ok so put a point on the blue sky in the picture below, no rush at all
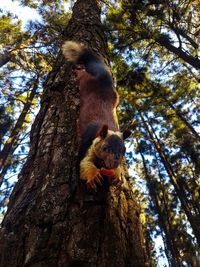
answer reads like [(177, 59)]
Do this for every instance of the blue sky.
[(23, 13)]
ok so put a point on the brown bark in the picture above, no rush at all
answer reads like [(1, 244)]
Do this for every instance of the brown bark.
[(52, 220)]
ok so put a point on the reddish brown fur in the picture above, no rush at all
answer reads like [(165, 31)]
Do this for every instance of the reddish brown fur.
[(97, 104)]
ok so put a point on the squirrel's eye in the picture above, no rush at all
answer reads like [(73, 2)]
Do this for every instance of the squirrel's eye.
[(105, 148)]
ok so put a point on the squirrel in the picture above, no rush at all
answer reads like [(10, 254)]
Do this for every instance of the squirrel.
[(101, 143)]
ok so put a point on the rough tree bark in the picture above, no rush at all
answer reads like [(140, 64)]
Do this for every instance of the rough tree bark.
[(52, 220)]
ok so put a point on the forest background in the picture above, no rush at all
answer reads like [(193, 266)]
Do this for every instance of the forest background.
[(154, 56)]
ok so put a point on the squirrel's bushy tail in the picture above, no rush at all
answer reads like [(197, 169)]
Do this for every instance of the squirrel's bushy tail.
[(79, 54)]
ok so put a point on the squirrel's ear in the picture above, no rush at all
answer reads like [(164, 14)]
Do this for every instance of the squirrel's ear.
[(104, 131), (126, 133)]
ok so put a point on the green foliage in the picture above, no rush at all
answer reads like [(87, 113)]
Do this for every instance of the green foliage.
[(150, 26), (10, 31)]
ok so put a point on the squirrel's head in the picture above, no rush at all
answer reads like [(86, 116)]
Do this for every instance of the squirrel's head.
[(109, 147)]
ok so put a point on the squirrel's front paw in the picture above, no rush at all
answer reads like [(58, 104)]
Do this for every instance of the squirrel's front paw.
[(92, 182), (117, 183)]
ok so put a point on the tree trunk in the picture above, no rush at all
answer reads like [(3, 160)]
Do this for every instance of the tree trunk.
[(52, 220)]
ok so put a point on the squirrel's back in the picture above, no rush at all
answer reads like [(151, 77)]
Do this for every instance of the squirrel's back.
[(79, 54)]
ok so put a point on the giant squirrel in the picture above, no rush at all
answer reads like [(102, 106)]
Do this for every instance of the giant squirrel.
[(102, 144)]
